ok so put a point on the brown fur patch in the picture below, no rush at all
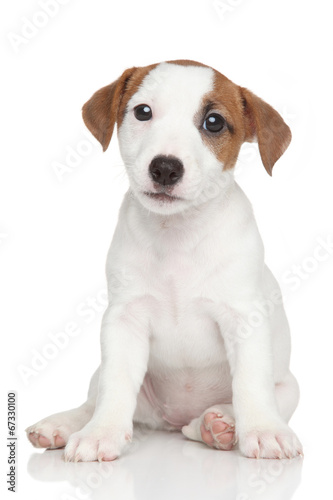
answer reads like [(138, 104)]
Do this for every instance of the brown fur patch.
[(265, 125), (107, 106), (100, 112), (225, 99), (250, 118), (187, 62)]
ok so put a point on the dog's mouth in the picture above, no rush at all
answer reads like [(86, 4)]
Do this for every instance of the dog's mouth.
[(162, 196)]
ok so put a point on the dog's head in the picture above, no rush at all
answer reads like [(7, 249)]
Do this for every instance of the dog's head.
[(180, 127)]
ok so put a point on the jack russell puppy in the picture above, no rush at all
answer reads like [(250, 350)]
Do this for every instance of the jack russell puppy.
[(182, 344)]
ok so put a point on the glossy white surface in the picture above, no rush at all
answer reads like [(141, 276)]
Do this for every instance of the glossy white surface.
[(164, 466), (161, 465)]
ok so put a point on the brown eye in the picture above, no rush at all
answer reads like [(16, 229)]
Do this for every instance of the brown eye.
[(214, 123), (143, 112)]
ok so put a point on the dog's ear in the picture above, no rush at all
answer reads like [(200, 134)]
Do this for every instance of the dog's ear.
[(266, 126), (100, 112)]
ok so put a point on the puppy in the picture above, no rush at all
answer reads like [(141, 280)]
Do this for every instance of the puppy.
[(182, 345)]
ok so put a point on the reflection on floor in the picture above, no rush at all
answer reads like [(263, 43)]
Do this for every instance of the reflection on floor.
[(167, 466)]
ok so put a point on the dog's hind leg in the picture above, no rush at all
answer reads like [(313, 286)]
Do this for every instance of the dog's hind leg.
[(55, 430), (215, 427)]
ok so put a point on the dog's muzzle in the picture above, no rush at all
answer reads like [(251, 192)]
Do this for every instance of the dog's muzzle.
[(166, 170)]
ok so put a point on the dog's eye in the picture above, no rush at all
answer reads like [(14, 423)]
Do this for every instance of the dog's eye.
[(214, 123), (143, 112)]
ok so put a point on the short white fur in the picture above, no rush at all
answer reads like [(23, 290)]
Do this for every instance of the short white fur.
[(194, 270)]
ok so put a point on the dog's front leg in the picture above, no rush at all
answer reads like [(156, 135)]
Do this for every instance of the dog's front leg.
[(125, 350), (261, 431)]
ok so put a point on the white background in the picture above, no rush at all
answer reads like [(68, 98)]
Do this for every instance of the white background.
[(55, 230)]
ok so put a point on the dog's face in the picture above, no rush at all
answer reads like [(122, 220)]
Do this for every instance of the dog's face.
[(180, 127)]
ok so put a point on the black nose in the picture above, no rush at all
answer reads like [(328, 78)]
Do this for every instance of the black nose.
[(166, 170)]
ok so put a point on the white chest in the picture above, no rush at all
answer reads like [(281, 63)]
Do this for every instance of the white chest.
[(183, 330)]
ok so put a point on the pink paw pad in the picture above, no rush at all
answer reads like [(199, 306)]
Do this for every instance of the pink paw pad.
[(38, 440), (218, 431), (59, 442)]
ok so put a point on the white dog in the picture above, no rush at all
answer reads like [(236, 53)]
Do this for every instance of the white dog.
[(183, 346)]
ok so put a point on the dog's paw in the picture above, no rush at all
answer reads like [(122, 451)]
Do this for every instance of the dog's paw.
[(215, 428), (54, 431), (96, 443), (49, 434), (218, 431), (280, 442)]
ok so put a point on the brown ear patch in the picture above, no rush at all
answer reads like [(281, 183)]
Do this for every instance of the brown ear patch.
[(107, 106), (100, 112), (250, 119), (264, 124)]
